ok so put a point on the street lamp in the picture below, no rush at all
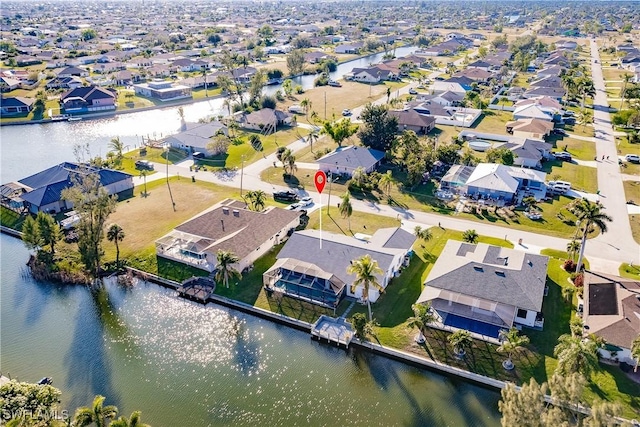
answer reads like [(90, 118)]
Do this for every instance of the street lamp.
[(166, 153), (330, 179), (241, 175)]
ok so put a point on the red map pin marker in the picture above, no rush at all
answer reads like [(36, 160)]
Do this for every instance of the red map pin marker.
[(320, 180)]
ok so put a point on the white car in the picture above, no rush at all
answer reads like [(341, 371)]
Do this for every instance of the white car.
[(633, 158), (346, 112), (559, 187), (305, 201)]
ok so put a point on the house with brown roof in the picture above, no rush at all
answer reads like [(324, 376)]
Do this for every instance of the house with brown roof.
[(611, 310), (530, 128), (265, 120), (228, 226), (421, 124)]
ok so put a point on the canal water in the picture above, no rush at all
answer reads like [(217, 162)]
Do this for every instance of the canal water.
[(185, 364), (27, 149)]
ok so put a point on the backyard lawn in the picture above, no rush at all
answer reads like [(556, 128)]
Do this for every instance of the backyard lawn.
[(582, 178)]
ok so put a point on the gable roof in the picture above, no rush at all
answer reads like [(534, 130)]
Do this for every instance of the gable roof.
[(88, 93), (338, 250), (352, 157), (197, 134), (412, 118), (17, 101), (493, 273), (494, 176)]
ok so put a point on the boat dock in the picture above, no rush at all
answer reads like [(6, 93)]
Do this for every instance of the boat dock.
[(337, 331), (197, 289)]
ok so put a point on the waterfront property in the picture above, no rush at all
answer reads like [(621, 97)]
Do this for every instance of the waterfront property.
[(611, 311), (317, 272), (43, 191), (195, 137), (227, 226), (529, 148), (345, 160), (484, 288), (266, 120), (87, 99), (162, 90), (494, 182), (16, 105)]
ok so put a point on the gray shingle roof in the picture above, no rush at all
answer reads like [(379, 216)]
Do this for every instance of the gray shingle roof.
[(493, 273), (352, 157)]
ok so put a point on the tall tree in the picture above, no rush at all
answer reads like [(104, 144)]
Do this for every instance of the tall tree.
[(422, 317), (313, 137), (589, 215), (224, 269), (623, 92), (257, 199), (133, 421), (31, 235), (422, 233), (584, 117), (379, 129), (295, 62), (346, 210), (576, 354), (97, 414), (117, 147), (365, 269), (49, 230), (512, 342), (385, 182), (115, 234), (27, 400), (257, 83), (523, 407), (460, 340), (339, 131), (93, 204), (470, 236), (572, 249)]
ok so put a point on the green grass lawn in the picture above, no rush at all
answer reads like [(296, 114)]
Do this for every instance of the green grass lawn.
[(581, 177), (11, 219), (583, 150), (630, 271)]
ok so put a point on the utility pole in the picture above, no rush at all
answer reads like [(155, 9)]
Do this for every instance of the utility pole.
[(166, 153), (241, 175)]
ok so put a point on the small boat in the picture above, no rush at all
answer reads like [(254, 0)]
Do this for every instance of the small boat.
[(45, 381), (74, 119)]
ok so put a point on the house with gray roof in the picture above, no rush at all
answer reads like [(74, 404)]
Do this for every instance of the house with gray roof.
[(194, 137), (313, 267), (228, 226), (421, 124), (611, 311), (12, 106), (345, 160), (485, 289)]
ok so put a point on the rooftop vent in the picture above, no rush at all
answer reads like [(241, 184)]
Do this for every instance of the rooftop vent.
[(500, 273), (225, 211), (236, 212), (478, 268)]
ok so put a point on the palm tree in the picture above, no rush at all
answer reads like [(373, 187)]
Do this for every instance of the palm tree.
[(115, 234), (143, 174), (257, 198), (422, 233), (117, 147), (133, 421), (365, 269), (358, 176), (512, 342), (422, 317), (385, 183), (224, 270), (576, 354), (97, 414), (568, 292), (313, 137), (346, 210), (587, 88), (572, 248), (460, 340), (290, 164), (204, 75), (306, 106), (584, 118), (635, 352), (589, 214), (470, 236)]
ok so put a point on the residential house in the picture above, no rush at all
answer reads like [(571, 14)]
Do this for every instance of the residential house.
[(550, 106), (73, 72), (345, 160), (8, 84), (611, 311), (480, 64), (530, 128), (349, 48), (227, 226), (87, 99), (445, 99), (26, 60), (411, 120), (534, 110), (316, 57), (194, 137), (476, 75), (486, 289), (64, 83), (497, 183), (188, 65), (43, 191), (16, 105), (317, 272), (451, 85), (265, 120), (162, 90)]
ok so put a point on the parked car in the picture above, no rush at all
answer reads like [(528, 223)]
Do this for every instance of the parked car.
[(633, 158), (144, 165), (334, 83), (293, 206), (296, 108), (287, 195), (569, 120), (559, 131), (306, 201), (562, 155), (412, 91), (559, 187), (346, 112)]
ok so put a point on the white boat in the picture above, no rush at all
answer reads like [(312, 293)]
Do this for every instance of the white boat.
[(74, 119)]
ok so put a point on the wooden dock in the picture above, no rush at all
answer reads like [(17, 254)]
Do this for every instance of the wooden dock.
[(197, 289), (337, 331)]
